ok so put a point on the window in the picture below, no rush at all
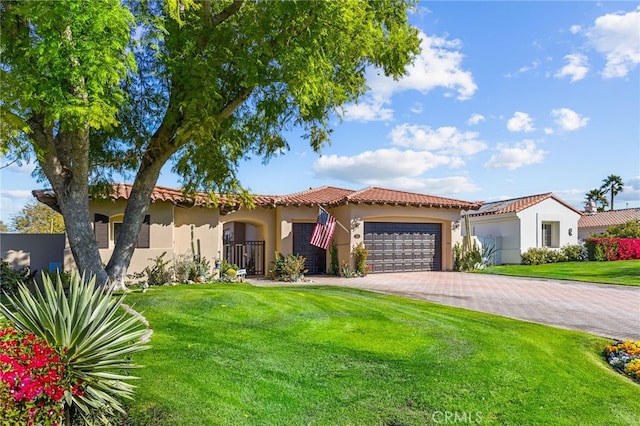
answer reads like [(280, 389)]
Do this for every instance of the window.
[(546, 234), (102, 224), (550, 234)]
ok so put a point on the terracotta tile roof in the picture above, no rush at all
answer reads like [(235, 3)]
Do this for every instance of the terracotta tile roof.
[(324, 195), (608, 218), (516, 205), (376, 195)]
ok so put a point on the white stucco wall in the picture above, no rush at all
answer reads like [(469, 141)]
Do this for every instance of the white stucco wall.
[(503, 226), (552, 211)]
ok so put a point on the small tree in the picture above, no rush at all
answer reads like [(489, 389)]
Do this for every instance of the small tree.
[(36, 218), (3, 227), (629, 229)]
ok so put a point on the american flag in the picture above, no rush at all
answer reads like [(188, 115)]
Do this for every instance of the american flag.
[(323, 231)]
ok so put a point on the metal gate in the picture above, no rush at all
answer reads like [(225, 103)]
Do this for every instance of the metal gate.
[(247, 255)]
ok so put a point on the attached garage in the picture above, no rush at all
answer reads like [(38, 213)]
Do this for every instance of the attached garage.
[(403, 247)]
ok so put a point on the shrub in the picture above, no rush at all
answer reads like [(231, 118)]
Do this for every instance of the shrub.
[(629, 229), (574, 252), (603, 248), (334, 265), (33, 379), (94, 337), (10, 278), (624, 357), (541, 255), (188, 267), (159, 273), (360, 254), (466, 260), (288, 268)]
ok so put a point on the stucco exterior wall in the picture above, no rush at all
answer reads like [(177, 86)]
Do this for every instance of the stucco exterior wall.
[(505, 226), (35, 251), (584, 233), (200, 226), (550, 211)]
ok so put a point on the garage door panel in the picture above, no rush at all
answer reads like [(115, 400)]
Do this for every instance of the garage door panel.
[(406, 246)]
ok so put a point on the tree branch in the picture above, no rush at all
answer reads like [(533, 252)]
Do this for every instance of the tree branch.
[(225, 14), (234, 103)]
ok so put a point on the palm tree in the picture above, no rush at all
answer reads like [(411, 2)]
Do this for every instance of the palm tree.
[(612, 184), (597, 196)]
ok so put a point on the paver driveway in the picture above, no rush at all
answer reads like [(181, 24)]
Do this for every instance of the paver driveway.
[(607, 310)]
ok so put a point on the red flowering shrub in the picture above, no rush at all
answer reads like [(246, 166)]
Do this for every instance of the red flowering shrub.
[(613, 248), (33, 380)]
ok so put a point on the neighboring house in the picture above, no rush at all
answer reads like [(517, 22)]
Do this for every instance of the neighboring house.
[(517, 225), (598, 222), (403, 231)]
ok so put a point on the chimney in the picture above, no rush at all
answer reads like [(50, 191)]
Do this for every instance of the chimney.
[(591, 208)]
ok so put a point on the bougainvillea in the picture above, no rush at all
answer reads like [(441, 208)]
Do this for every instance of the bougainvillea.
[(625, 357), (603, 248), (33, 380)]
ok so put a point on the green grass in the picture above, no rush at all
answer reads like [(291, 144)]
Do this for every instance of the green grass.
[(623, 272), (243, 355)]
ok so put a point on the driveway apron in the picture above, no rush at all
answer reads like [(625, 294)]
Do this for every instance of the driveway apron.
[(610, 311)]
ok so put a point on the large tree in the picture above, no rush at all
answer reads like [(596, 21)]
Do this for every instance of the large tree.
[(93, 88), (37, 218), (612, 184)]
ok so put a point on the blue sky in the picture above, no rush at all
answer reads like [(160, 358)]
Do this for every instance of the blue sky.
[(507, 99)]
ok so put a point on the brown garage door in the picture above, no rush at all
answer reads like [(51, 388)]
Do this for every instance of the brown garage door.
[(403, 247), (316, 262)]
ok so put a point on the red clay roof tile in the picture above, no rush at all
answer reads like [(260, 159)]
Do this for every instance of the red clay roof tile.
[(608, 218)]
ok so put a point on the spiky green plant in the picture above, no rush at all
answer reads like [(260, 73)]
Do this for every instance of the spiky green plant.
[(98, 337)]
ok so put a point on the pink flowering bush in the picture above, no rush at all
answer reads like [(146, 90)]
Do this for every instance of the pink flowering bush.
[(606, 248), (33, 379)]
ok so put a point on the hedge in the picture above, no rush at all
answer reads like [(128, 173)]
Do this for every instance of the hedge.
[(613, 248)]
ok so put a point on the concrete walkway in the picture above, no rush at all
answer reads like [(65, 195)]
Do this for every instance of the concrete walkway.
[(606, 310)]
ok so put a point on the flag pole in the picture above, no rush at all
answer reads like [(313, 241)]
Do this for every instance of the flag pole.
[(337, 221)]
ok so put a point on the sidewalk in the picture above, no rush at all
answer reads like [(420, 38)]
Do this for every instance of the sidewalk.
[(610, 311)]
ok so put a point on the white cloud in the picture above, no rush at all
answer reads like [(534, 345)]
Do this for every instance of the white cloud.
[(12, 202), (512, 157), (433, 186), (520, 122), (548, 131), (378, 166), (368, 110), (576, 68), (475, 119), (630, 192), (575, 29), (439, 65), (416, 108), (569, 120), (444, 140), (617, 37)]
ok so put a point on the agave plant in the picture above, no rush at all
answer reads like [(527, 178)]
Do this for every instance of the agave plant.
[(98, 337)]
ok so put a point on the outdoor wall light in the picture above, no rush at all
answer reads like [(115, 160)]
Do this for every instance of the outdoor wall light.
[(570, 231)]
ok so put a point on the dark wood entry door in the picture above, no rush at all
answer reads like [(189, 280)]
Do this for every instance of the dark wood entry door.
[(403, 247), (316, 262)]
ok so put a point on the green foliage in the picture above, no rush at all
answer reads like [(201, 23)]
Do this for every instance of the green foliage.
[(334, 263), (203, 85), (574, 252), (360, 254), (3, 227), (37, 218), (541, 255), (346, 271), (288, 268), (467, 260), (613, 185), (629, 229), (598, 197), (97, 336), (189, 267), (11, 278), (159, 273)]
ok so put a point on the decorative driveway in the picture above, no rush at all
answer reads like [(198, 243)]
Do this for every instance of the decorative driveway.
[(610, 311)]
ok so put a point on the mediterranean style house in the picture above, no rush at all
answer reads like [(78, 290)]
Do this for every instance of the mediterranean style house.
[(516, 225), (403, 231)]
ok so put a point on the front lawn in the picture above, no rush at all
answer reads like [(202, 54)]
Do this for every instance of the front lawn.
[(243, 355), (623, 272)]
